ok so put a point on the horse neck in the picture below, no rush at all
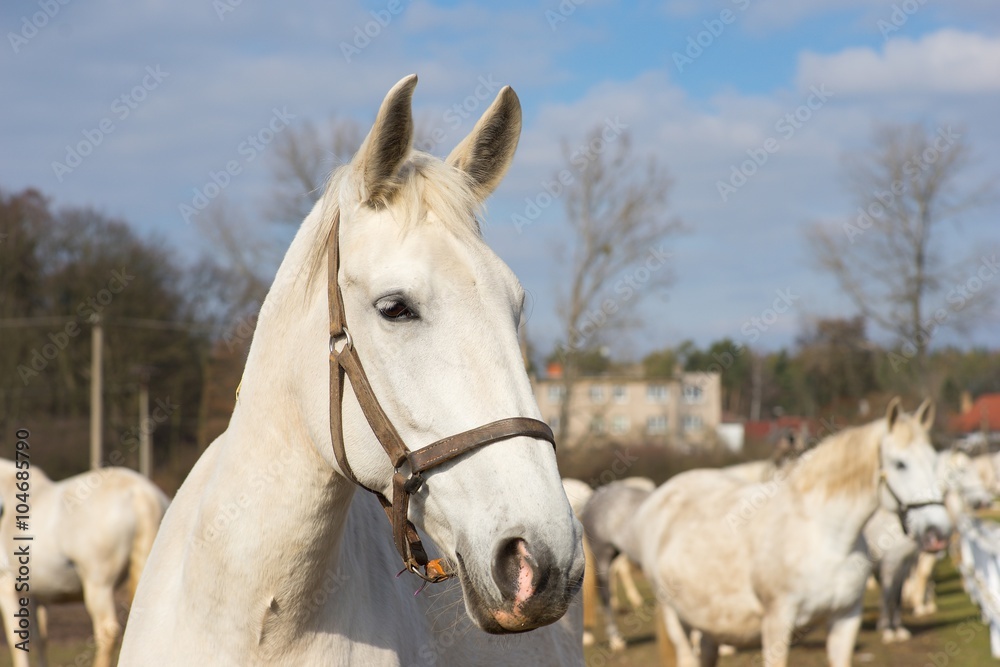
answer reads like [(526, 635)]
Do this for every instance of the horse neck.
[(273, 435), (842, 475)]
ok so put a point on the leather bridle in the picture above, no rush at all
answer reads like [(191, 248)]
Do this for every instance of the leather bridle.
[(344, 360)]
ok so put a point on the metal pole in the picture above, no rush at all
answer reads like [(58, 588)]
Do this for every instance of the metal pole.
[(145, 446), (96, 405)]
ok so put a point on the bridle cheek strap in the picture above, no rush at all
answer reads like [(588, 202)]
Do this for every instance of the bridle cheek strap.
[(344, 360)]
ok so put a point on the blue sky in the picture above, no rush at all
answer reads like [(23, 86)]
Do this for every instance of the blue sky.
[(211, 73)]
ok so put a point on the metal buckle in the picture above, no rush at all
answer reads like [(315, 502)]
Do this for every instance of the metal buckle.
[(413, 483), (336, 338)]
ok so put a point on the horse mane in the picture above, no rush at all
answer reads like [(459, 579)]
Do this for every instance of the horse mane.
[(845, 463), (423, 183)]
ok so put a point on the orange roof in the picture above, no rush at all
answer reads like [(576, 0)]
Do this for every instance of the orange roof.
[(985, 412)]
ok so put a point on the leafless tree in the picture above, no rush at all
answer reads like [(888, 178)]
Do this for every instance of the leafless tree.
[(302, 160), (909, 186), (241, 248), (616, 255), (304, 157)]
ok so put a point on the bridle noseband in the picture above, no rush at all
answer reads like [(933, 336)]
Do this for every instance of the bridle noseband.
[(344, 360)]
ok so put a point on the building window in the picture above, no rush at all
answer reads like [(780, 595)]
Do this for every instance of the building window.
[(619, 424), (596, 393), (693, 423), (656, 393), (693, 393), (656, 425), (597, 425), (619, 393), (556, 393)]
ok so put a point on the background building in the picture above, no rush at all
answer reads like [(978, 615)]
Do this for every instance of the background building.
[(683, 411)]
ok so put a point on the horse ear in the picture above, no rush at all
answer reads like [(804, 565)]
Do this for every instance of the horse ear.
[(389, 142), (489, 149), (925, 414), (892, 413)]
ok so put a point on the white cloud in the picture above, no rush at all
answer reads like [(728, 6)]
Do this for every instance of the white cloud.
[(946, 61), (782, 15)]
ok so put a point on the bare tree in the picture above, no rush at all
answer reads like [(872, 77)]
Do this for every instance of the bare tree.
[(616, 255), (302, 160), (889, 258), (241, 248)]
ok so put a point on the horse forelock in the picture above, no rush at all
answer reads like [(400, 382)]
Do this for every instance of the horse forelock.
[(423, 184), (905, 431)]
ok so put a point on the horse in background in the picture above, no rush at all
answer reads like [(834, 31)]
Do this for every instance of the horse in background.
[(607, 524), (798, 557), (91, 533), (578, 493), (966, 492), (988, 467), (894, 554)]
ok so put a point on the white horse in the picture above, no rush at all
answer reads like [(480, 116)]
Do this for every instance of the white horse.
[(965, 492), (578, 493), (268, 555), (90, 533), (988, 467), (797, 557), (894, 554), (606, 520)]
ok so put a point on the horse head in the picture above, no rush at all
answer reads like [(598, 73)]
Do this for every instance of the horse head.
[(958, 475), (433, 315), (910, 486)]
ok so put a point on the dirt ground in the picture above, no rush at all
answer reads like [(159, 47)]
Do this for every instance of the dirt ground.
[(954, 637)]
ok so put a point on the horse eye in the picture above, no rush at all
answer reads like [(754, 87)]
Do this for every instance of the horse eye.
[(396, 310), (900, 465)]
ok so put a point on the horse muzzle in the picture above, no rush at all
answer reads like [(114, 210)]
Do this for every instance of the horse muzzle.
[(933, 540), (531, 588)]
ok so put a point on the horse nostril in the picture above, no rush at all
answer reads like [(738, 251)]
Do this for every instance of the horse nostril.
[(510, 567), (520, 573)]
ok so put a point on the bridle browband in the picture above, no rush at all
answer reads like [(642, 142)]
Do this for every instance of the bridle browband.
[(344, 360)]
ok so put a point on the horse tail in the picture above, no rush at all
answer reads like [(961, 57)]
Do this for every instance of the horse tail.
[(150, 504)]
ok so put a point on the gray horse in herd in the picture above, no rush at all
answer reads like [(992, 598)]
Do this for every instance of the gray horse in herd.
[(758, 590)]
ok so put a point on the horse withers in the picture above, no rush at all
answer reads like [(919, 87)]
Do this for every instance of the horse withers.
[(270, 553)]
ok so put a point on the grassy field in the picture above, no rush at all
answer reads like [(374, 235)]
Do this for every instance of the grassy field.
[(953, 637)]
